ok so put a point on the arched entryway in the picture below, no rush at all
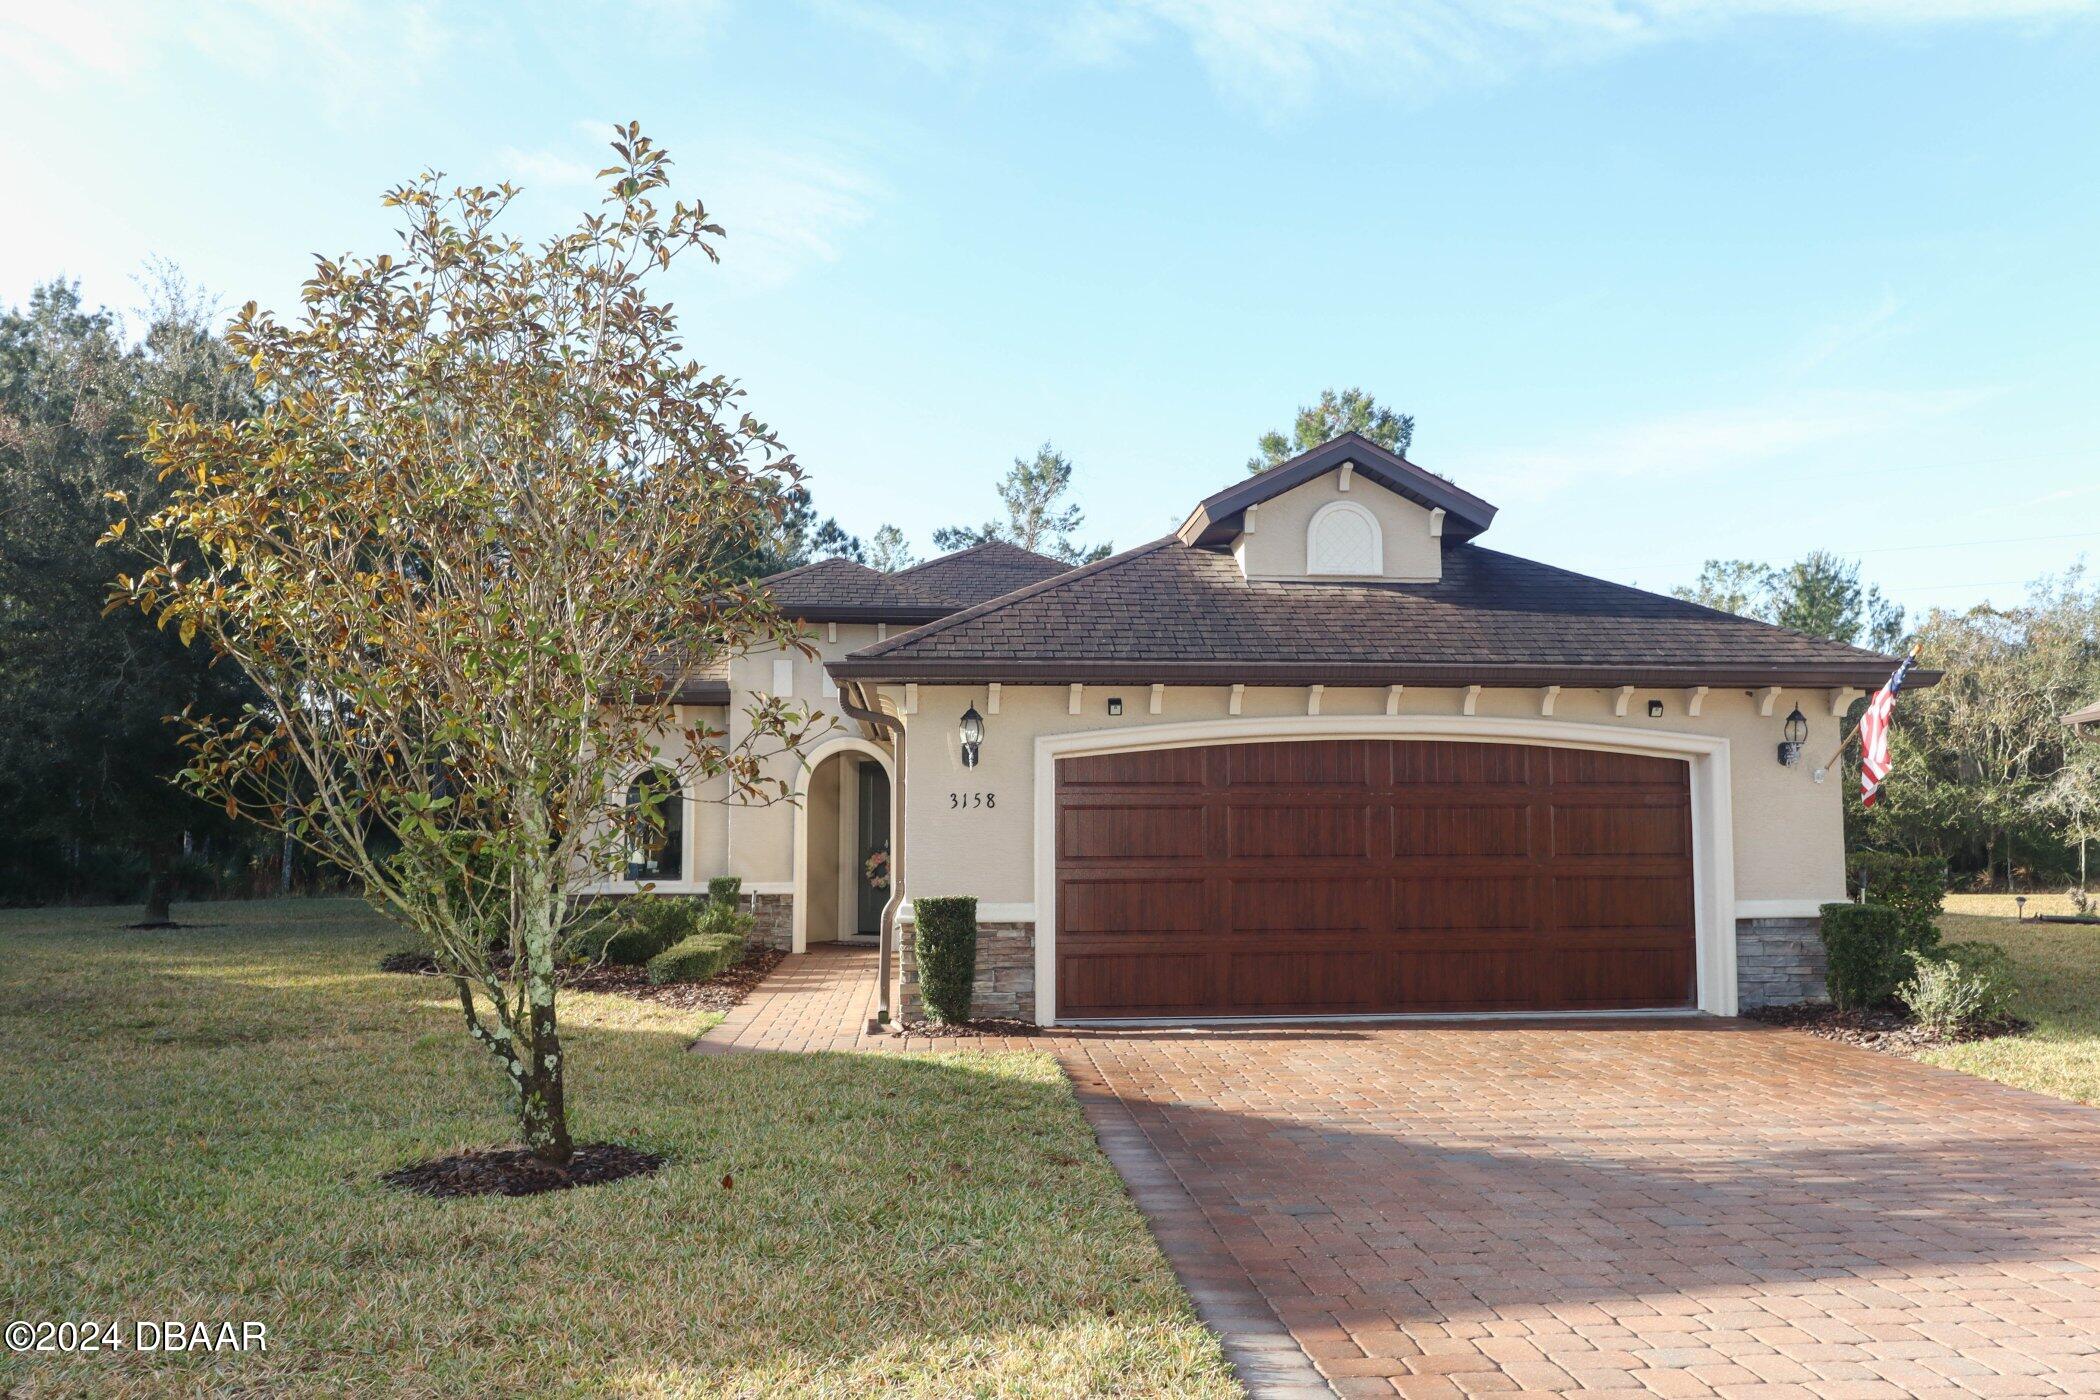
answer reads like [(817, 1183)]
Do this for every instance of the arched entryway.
[(844, 821)]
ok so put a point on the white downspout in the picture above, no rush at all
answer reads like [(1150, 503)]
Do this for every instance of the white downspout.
[(852, 699)]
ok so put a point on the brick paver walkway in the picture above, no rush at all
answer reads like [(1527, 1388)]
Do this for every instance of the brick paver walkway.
[(821, 1000), (1659, 1209)]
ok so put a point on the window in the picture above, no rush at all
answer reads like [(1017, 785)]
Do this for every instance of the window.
[(1343, 538), (656, 827)]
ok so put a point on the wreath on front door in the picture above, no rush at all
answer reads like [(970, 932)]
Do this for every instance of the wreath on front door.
[(877, 869)]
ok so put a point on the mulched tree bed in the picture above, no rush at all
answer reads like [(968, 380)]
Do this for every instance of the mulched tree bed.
[(1886, 1029), (514, 1171), (984, 1027), (718, 993)]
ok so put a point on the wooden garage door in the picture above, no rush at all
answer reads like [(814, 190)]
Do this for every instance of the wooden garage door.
[(1363, 876)]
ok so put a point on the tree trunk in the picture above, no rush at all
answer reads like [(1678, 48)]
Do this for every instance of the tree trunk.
[(158, 894), (284, 867), (542, 1112)]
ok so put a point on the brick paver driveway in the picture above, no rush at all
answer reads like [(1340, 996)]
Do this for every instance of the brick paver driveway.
[(1655, 1209)]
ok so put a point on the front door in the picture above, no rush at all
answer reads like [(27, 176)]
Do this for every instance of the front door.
[(873, 881)]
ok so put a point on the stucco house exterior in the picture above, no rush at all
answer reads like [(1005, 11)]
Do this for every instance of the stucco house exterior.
[(1319, 752)]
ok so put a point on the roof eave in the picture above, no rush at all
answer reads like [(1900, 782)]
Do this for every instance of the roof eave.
[(1864, 675), (863, 612)]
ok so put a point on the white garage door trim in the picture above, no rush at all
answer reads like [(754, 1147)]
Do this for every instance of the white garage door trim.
[(1713, 839)]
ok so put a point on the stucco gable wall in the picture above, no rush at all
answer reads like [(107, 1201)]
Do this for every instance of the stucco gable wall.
[(1276, 548)]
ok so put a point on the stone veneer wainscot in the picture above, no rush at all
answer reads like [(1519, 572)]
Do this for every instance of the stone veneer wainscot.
[(1779, 962), (1005, 972)]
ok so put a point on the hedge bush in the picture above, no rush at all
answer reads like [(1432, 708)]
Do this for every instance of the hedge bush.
[(1869, 953), (645, 925), (724, 889), (945, 939), (696, 958), (1914, 886)]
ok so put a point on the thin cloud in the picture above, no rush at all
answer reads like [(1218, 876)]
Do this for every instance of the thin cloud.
[(1841, 337), (1718, 439), (367, 48), (784, 209), (1281, 53)]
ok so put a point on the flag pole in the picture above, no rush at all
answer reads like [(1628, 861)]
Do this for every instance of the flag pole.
[(1839, 752)]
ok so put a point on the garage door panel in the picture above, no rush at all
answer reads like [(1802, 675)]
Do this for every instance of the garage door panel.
[(1287, 983), (1088, 831), (1622, 978), (1598, 768), (1598, 830), (1253, 833), (1621, 900), (1322, 763), (1142, 984), (1500, 830), (1149, 768), (1257, 905), (1445, 765), (1348, 877), (1463, 979), (1141, 905), (1453, 903)]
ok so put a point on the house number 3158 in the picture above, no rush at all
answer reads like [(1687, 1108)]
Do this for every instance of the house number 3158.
[(972, 799)]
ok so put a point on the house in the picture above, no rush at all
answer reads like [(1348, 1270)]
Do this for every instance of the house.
[(801, 895), (1319, 752)]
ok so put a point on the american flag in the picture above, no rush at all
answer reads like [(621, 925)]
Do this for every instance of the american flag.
[(1874, 734)]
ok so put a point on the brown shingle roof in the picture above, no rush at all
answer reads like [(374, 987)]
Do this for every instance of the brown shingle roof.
[(1170, 611), (983, 572), (839, 590)]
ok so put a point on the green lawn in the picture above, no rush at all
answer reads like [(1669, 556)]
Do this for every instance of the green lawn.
[(2058, 970), (196, 1119)]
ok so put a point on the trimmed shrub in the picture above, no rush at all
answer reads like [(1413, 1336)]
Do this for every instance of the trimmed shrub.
[(1869, 953), (723, 918), (1914, 886), (696, 958), (724, 889), (1949, 996), (945, 939), (646, 925)]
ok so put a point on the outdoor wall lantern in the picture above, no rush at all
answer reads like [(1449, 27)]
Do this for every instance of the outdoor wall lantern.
[(972, 736), (1796, 736), (1655, 709), (1115, 705)]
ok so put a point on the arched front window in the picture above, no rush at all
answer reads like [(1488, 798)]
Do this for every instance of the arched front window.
[(656, 827), (1343, 538)]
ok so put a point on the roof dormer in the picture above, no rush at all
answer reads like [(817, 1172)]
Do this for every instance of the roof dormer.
[(1349, 511)]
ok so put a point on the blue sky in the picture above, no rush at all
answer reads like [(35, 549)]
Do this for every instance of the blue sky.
[(1664, 279)]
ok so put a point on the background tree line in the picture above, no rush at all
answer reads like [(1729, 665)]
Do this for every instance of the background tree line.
[(87, 811), (1987, 777)]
